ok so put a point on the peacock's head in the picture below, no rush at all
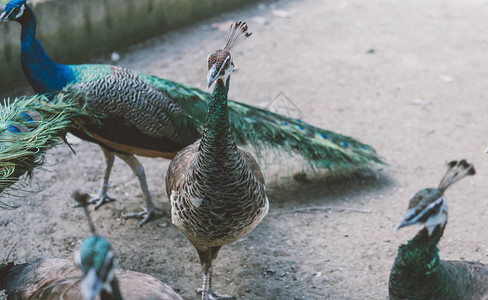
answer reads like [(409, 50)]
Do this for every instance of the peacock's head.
[(97, 261), (220, 63), (14, 10), (428, 207)]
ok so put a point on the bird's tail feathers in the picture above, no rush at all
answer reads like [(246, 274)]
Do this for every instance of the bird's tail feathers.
[(319, 148), (29, 126)]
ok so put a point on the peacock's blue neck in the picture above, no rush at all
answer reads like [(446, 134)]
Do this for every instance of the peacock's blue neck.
[(43, 74)]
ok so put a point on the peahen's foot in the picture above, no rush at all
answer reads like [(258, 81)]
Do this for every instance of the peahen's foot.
[(211, 295), (100, 200), (145, 214)]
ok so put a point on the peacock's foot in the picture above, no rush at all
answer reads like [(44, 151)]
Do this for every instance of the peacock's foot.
[(211, 295), (99, 200), (145, 214)]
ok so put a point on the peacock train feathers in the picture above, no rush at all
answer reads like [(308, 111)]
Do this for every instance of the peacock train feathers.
[(29, 126), (265, 131)]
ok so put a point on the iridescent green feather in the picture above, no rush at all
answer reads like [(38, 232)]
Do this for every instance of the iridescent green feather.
[(21, 151), (267, 132)]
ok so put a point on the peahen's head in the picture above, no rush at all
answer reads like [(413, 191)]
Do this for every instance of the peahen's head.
[(14, 10), (97, 261), (428, 207), (220, 63), (95, 258)]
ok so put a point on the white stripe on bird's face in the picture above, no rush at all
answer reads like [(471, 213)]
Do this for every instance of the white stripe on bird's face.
[(22, 8), (436, 217)]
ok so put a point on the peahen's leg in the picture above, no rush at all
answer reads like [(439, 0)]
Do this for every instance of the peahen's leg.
[(103, 198), (138, 170), (207, 255)]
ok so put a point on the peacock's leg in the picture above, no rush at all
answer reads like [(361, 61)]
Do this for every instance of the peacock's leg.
[(207, 255), (103, 198), (138, 170)]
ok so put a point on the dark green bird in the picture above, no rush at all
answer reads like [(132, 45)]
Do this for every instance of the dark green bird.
[(418, 272)]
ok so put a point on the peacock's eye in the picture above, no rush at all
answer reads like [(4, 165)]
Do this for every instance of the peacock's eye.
[(16, 10)]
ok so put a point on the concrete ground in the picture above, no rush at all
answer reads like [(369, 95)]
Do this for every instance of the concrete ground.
[(406, 77)]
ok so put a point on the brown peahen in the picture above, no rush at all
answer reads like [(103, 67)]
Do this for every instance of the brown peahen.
[(154, 117), (216, 189), (418, 272), (61, 278)]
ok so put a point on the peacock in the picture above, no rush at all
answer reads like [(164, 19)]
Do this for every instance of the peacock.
[(216, 189), (418, 272), (61, 278), (155, 117)]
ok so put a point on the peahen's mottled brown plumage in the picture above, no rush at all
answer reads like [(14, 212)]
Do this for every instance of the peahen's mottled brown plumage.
[(216, 190), (60, 278), (418, 272)]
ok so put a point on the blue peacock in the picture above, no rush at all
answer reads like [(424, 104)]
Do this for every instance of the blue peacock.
[(154, 117)]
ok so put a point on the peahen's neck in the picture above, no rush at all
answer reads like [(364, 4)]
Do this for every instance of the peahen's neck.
[(115, 295), (43, 74), (417, 263), (217, 143)]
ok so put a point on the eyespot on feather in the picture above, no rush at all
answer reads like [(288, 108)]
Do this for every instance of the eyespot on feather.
[(17, 128), (31, 116)]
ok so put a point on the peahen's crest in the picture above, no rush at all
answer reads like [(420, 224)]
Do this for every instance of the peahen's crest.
[(95, 257)]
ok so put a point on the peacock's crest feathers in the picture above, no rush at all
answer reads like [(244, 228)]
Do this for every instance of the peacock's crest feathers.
[(29, 126)]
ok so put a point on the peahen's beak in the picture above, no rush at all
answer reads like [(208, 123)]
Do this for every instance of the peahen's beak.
[(91, 285), (212, 75), (408, 219)]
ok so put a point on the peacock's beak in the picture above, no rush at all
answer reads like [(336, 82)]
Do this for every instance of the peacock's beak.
[(91, 285), (3, 17), (212, 75)]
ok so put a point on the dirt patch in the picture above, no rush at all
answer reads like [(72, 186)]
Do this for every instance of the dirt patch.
[(405, 77)]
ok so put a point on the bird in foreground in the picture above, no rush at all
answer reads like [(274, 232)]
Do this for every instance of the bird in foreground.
[(59, 278), (154, 117), (216, 189), (418, 272)]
